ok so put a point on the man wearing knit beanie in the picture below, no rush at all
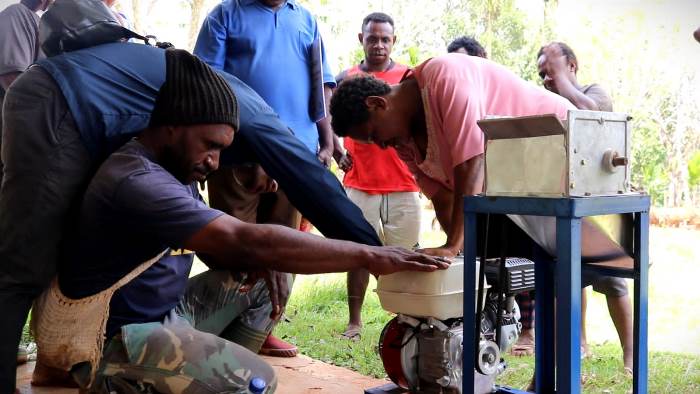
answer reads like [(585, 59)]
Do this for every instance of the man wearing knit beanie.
[(192, 96), (165, 332), (86, 104)]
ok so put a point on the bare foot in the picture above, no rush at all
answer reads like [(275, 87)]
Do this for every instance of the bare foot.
[(628, 360), (525, 346), (585, 351), (48, 376)]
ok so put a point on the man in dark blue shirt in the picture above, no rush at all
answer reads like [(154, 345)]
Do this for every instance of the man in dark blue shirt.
[(83, 105)]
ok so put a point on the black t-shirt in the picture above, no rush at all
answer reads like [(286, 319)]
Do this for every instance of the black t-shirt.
[(133, 210)]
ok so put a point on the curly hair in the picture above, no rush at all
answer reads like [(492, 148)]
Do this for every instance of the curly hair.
[(348, 106), (470, 44)]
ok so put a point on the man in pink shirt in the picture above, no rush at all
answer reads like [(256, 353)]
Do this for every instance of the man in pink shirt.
[(430, 118)]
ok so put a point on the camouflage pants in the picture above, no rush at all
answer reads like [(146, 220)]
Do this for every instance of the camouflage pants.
[(208, 344)]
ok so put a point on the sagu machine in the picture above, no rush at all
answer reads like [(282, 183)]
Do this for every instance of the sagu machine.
[(580, 179)]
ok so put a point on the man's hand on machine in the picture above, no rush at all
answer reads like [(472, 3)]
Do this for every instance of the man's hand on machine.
[(389, 259), (277, 286)]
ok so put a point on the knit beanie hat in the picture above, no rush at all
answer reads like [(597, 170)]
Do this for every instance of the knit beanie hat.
[(193, 93)]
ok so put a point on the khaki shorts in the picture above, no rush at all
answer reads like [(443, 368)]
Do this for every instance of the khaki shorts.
[(394, 216)]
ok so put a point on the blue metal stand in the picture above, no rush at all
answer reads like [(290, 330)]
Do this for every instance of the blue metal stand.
[(563, 374)]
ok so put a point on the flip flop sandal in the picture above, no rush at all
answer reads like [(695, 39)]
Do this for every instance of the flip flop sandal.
[(523, 349), (352, 334)]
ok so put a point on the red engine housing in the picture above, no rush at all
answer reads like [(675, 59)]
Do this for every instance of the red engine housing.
[(390, 342)]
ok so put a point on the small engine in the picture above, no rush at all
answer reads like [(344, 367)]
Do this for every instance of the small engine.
[(424, 354)]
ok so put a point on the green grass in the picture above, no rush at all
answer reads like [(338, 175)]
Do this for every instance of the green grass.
[(318, 313), (26, 336), (668, 372)]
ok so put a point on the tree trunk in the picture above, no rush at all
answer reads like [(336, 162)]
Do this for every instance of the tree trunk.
[(196, 10)]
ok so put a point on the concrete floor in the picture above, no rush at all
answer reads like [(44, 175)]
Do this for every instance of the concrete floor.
[(24, 378), (297, 375)]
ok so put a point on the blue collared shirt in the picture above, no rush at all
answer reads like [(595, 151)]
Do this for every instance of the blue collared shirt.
[(271, 51), (110, 90)]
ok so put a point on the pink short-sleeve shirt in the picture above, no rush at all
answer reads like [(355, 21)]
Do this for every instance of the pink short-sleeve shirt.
[(458, 90)]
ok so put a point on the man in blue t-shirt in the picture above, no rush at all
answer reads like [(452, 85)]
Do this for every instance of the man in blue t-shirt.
[(275, 47), (272, 46), (143, 200), (83, 105)]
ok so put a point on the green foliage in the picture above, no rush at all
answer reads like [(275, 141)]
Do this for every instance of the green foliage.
[(501, 28), (649, 159), (358, 55), (694, 169), (413, 56)]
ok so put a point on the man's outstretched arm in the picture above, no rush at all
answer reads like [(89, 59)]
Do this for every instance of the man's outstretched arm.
[(234, 244)]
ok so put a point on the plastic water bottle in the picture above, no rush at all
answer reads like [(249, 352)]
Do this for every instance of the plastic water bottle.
[(257, 385)]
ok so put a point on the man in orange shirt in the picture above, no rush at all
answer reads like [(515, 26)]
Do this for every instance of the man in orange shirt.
[(376, 179)]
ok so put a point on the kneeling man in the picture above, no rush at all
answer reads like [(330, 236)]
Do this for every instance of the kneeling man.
[(166, 333)]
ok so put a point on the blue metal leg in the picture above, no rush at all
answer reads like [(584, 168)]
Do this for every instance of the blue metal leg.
[(544, 324), (641, 282), (568, 321), (566, 360), (470, 334)]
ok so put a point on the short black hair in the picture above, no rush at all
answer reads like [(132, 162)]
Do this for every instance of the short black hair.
[(565, 50), (378, 17), (469, 43), (348, 106)]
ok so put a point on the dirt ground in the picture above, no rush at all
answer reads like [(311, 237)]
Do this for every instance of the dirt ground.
[(296, 375)]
